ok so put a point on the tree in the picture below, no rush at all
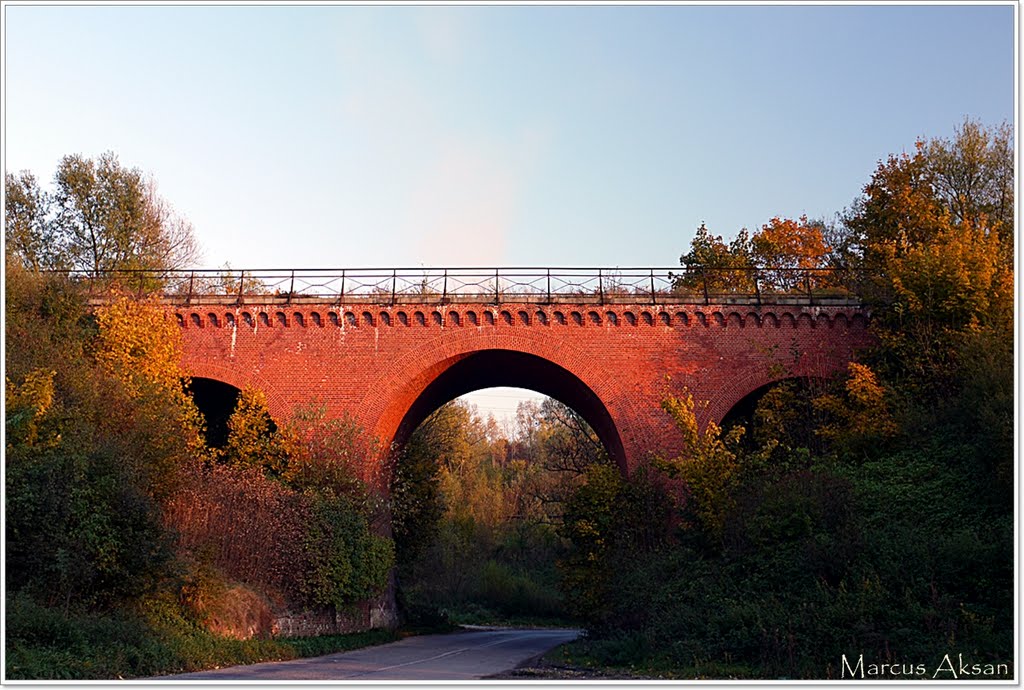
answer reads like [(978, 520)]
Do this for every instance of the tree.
[(334, 458), (94, 446), (972, 174), (779, 251), (345, 561), (612, 522), (716, 266), (111, 217), (416, 502), (934, 232), (253, 440), (708, 465), (139, 345), (567, 443), (945, 183), (27, 405), (28, 231), (897, 207), (859, 419), (100, 216), (227, 282), (785, 249), (941, 267)]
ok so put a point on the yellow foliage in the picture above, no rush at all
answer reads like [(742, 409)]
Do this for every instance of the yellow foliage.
[(707, 466), (956, 278), (942, 291), (140, 346), (477, 495), (936, 232), (25, 405), (864, 389), (860, 416), (250, 441)]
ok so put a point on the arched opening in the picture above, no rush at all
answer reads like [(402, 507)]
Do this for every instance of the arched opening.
[(216, 401), (508, 368), (782, 409), (477, 504)]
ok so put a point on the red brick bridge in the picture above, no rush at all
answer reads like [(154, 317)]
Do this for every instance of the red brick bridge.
[(391, 346)]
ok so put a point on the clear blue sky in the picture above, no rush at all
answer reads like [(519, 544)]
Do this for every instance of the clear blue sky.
[(375, 136), (578, 136)]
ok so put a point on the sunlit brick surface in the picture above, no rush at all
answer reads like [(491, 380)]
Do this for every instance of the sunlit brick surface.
[(391, 366)]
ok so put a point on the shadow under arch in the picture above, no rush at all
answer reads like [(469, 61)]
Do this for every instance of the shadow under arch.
[(742, 411), (743, 384), (497, 367), (216, 401)]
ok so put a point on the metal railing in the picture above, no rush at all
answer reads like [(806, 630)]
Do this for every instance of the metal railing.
[(389, 286)]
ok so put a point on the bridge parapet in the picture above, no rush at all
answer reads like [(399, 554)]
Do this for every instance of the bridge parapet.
[(443, 286)]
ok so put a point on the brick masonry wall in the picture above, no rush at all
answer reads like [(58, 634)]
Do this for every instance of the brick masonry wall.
[(376, 361)]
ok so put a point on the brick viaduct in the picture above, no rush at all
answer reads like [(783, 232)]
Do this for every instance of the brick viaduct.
[(391, 365)]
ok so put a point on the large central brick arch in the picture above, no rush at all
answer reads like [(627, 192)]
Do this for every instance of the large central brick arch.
[(390, 366), (430, 375)]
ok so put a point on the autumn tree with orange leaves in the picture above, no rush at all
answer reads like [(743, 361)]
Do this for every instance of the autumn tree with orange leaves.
[(786, 249), (779, 255), (933, 232)]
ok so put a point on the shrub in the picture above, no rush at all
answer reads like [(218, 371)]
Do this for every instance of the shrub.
[(345, 562), (246, 526)]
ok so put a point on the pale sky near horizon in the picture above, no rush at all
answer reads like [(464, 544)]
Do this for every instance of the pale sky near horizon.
[(343, 136)]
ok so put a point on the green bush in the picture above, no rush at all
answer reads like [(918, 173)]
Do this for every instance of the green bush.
[(890, 559), (45, 643), (346, 563), (601, 523), (156, 639)]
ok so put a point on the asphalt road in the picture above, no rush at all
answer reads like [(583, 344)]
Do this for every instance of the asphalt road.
[(464, 655)]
